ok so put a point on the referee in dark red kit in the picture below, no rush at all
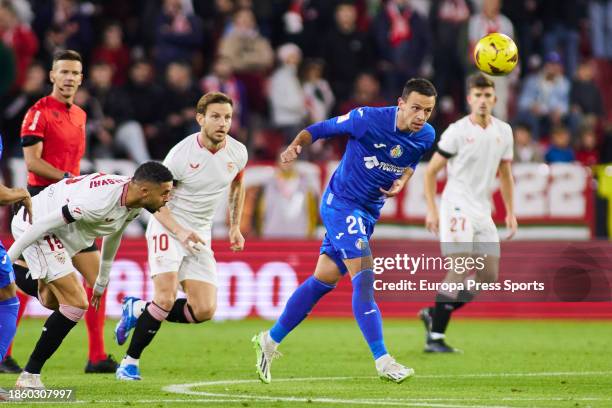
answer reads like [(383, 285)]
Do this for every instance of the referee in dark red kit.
[(53, 141)]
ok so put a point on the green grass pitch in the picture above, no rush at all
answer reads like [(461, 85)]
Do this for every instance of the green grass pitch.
[(510, 363)]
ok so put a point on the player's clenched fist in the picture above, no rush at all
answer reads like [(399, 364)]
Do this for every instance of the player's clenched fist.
[(236, 240), (290, 154)]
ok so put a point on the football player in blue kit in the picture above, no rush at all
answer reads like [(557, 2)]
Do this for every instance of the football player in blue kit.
[(385, 144)]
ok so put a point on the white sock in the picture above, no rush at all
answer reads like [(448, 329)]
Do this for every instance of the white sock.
[(436, 336), (382, 361), (138, 307), (130, 361), (270, 340)]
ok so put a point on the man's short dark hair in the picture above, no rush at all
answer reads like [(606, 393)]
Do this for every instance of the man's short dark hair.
[(419, 85), (210, 98), (478, 80), (153, 172), (67, 55)]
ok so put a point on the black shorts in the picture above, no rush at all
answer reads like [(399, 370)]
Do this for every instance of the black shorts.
[(34, 190)]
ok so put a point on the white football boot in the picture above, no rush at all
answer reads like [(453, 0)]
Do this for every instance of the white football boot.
[(265, 350), (391, 370), (29, 381)]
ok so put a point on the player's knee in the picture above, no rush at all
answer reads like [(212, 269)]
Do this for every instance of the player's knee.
[(203, 311), (165, 300)]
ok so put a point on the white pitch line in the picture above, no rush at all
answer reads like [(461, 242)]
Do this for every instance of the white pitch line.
[(185, 389)]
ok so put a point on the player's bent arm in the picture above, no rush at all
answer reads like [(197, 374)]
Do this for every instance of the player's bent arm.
[(236, 202), (506, 185), (110, 245), (37, 165), (434, 166), (41, 226), (304, 138)]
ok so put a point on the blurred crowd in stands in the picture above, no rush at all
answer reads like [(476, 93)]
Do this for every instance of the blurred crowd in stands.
[(289, 63)]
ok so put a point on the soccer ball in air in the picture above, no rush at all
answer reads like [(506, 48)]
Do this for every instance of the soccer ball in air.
[(496, 54)]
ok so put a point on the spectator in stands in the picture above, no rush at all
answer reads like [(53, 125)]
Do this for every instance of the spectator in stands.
[(488, 21), (287, 206), (302, 23), (114, 52), (600, 12), (560, 150), (525, 149), (17, 36), (544, 100), (144, 95), (449, 24), (346, 50), (561, 29), (180, 96), (250, 54), (403, 39), (527, 29), (606, 146), (318, 94), (222, 79), (66, 24), (120, 133), (15, 106), (178, 36), (585, 96), (366, 92), (8, 69), (286, 96), (587, 152)]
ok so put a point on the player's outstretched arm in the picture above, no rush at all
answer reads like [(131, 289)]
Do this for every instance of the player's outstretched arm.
[(304, 138), (506, 187), (236, 203), (186, 237), (110, 245), (41, 226), (434, 166), (16, 195)]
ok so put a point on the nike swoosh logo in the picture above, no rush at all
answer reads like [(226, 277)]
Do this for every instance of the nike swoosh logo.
[(378, 146), (370, 312)]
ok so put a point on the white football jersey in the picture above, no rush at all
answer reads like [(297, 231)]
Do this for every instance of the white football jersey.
[(95, 202), (475, 157), (203, 177)]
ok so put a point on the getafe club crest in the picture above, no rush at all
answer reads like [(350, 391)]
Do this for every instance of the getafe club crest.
[(396, 151)]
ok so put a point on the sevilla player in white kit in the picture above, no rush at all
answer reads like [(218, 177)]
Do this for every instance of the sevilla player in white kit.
[(473, 149), (68, 216), (204, 166)]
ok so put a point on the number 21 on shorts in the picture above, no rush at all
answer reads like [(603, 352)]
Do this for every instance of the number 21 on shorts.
[(352, 222)]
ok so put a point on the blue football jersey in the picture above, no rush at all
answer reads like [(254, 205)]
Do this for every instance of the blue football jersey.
[(377, 154)]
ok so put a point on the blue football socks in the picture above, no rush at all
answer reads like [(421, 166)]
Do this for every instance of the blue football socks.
[(366, 312), (8, 323)]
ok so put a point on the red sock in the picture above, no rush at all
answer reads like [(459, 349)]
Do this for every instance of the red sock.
[(95, 328), (23, 302)]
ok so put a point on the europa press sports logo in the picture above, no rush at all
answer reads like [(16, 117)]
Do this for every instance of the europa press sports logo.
[(396, 151)]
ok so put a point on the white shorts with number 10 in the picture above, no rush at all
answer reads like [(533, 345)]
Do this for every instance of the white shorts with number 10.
[(167, 254), (461, 232)]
